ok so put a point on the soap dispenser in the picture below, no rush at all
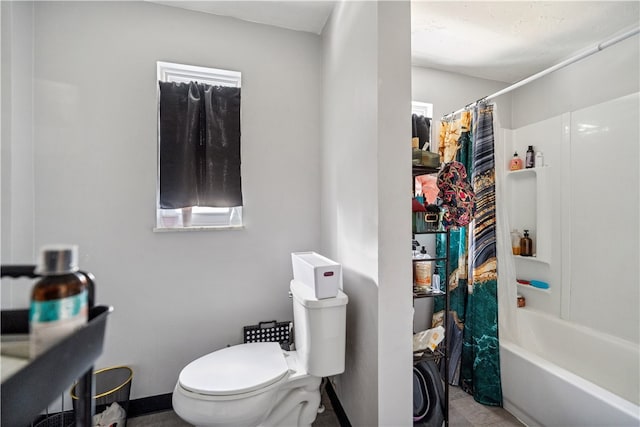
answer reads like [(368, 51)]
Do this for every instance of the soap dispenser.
[(423, 253), (516, 162)]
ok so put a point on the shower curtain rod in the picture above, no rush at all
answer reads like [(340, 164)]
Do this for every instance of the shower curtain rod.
[(576, 58)]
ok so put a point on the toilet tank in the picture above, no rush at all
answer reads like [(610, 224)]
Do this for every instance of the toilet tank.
[(319, 327)]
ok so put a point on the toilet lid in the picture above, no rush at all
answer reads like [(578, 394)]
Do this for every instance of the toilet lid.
[(235, 370)]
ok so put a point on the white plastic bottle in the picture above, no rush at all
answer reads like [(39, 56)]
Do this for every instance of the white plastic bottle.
[(435, 281)]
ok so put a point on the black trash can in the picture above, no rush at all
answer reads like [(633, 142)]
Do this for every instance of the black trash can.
[(112, 385)]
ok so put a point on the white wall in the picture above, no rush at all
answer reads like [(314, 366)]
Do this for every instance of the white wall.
[(608, 74), (449, 92), (176, 295), (604, 251), (395, 403), (17, 144), (365, 211)]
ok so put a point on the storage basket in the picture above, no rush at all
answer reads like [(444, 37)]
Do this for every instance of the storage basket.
[(432, 218), (112, 385), (271, 331), (426, 221)]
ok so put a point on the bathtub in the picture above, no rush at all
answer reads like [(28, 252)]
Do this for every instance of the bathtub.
[(564, 374)]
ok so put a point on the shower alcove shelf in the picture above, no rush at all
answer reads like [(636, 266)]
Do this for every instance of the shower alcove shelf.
[(532, 288), (441, 351), (529, 208)]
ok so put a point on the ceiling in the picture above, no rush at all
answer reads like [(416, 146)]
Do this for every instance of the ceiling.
[(508, 41), (501, 40), (298, 15)]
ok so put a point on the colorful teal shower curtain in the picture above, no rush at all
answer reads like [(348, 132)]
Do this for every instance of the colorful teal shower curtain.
[(481, 328), (473, 278)]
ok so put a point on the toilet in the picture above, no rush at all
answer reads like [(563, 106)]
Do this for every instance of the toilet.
[(259, 384)]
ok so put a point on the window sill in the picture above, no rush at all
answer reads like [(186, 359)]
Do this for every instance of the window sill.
[(197, 228)]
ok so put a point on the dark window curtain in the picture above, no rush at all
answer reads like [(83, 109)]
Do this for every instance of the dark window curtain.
[(420, 128), (220, 182), (179, 144), (199, 145)]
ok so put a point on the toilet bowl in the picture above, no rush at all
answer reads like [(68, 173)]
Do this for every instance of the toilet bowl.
[(235, 386), (259, 384)]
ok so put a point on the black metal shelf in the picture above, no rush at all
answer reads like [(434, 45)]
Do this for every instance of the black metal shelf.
[(27, 392), (427, 354), (424, 170), (432, 294), (31, 388), (429, 259), (431, 232), (444, 355)]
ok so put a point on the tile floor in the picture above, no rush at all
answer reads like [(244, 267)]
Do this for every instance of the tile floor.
[(463, 412)]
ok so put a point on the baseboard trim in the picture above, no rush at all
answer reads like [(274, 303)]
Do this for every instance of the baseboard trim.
[(149, 405), (337, 406)]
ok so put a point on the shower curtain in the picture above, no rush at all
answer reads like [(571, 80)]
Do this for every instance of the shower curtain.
[(472, 251), (455, 144)]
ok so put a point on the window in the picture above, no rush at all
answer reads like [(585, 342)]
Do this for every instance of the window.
[(422, 109), (421, 114), (198, 183)]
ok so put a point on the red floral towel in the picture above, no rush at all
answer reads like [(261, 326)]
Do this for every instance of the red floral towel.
[(458, 198)]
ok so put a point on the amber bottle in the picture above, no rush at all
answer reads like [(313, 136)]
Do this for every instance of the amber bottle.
[(59, 300), (526, 245)]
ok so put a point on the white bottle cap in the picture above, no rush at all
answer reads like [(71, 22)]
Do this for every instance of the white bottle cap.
[(57, 259)]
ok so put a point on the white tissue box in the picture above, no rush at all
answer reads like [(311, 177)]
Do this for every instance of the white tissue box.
[(321, 274)]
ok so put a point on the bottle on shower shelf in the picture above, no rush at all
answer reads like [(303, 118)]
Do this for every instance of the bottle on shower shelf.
[(526, 245), (530, 160), (515, 242), (516, 162)]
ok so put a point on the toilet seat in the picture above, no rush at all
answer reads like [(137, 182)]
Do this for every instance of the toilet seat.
[(235, 370)]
